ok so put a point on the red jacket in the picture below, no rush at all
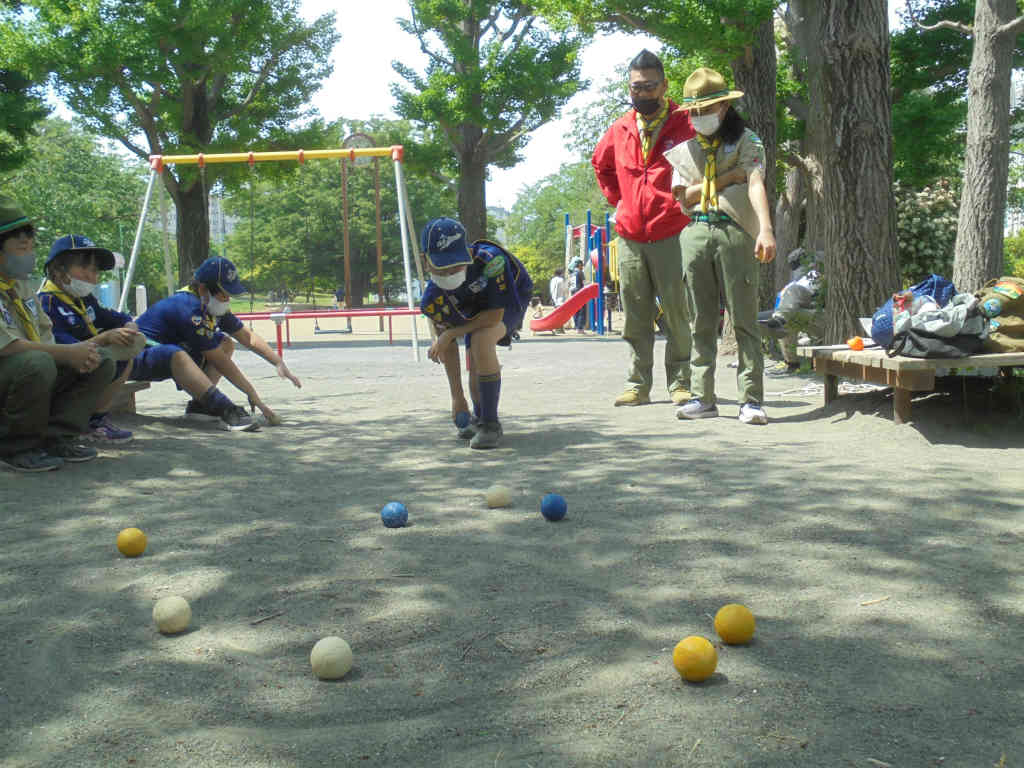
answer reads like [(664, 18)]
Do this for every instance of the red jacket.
[(648, 211)]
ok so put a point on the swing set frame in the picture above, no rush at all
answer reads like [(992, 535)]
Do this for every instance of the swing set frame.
[(157, 163)]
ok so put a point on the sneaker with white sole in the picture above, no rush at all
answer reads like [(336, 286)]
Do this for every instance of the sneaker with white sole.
[(236, 419), (70, 450), (488, 435), (103, 430), (753, 413), (695, 409), (196, 411), (467, 432), (35, 460)]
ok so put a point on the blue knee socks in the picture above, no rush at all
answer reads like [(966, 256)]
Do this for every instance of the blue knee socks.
[(490, 391)]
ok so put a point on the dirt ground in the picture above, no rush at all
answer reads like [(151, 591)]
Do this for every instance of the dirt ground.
[(883, 564)]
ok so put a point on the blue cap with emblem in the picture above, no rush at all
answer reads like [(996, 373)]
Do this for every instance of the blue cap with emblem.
[(81, 244), (219, 271), (444, 243)]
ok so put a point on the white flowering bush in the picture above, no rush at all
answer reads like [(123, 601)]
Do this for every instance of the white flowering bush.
[(925, 230)]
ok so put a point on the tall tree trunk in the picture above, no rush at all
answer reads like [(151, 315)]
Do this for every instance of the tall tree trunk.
[(860, 252), (755, 74), (788, 211), (979, 235), (472, 196), (192, 228)]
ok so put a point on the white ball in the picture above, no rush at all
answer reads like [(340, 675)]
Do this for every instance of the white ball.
[(499, 496), (331, 658), (172, 614)]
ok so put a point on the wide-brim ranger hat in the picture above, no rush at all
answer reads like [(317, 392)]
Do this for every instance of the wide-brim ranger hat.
[(81, 244), (704, 88), (217, 270), (11, 215), (443, 241)]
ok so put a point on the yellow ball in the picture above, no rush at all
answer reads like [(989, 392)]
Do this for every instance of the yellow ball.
[(695, 658), (499, 496), (172, 614), (734, 623), (131, 542), (331, 658)]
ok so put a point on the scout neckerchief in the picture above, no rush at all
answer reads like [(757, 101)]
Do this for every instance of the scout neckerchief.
[(648, 127), (208, 320), (75, 303), (8, 287), (709, 191)]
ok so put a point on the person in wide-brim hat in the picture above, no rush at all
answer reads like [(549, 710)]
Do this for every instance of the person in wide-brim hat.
[(718, 178)]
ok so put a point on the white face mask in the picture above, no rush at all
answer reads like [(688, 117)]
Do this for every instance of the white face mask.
[(80, 288), (705, 125), (449, 282), (216, 307)]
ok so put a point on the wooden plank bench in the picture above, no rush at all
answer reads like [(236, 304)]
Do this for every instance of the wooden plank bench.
[(124, 402), (906, 375)]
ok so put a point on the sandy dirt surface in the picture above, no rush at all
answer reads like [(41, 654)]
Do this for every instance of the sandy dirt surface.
[(883, 564)]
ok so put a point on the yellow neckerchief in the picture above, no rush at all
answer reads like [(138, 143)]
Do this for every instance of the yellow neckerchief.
[(208, 320), (75, 303), (648, 126), (709, 191), (8, 287)]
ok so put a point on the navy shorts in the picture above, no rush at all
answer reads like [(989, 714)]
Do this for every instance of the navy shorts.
[(154, 363), (513, 320)]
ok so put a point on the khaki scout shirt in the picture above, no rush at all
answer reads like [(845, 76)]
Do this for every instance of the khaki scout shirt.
[(10, 324), (748, 153)]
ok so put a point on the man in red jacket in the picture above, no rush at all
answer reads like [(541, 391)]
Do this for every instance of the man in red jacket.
[(635, 177)]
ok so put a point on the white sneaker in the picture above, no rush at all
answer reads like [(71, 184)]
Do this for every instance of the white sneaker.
[(752, 413), (695, 409)]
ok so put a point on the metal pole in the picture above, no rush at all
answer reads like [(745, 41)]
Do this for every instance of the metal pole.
[(600, 282), (137, 243), (344, 224), (402, 211), (414, 239), (380, 241), (586, 260), (168, 267)]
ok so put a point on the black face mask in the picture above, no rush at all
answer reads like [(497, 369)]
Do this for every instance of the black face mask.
[(646, 106)]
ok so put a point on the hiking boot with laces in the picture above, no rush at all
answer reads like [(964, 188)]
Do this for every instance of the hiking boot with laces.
[(632, 397), (681, 395), (70, 450), (782, 369), (488, 435), (35, 460)]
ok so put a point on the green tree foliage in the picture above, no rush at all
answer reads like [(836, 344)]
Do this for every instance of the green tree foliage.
[(21, 107), (297, 227), (1013, 250), (925, 230), (185, 77), (71, 184), (495, 74), (535, 228)]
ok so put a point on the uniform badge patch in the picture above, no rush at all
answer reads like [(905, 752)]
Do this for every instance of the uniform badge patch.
[(495, 266), (478, 285), (197, 320)]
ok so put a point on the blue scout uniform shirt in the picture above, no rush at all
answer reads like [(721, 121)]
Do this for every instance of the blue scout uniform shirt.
[(70, 326), (495, 279), (180, 319)]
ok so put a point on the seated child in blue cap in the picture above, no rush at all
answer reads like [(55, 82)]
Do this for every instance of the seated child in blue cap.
[(72, 271), (191, 329), (479, 291)]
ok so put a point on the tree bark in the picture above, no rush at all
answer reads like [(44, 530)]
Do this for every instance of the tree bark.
[(472, 198), (979, 237), (860, 252), (192, 228), (788, 211), (755, 74)]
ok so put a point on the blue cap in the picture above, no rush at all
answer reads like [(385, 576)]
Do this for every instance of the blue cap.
[(444, 242), (81, 244), (219, 271)]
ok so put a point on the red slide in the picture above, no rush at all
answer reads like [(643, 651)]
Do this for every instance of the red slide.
[(561, 315)]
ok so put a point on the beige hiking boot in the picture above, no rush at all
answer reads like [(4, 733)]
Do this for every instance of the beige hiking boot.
[(632, 397), (681, 396)]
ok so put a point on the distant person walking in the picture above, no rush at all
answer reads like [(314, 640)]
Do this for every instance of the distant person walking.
[(635, 177), (578, 281)]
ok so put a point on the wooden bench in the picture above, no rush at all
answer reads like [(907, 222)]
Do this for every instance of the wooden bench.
[(906, 375), (124, 402)]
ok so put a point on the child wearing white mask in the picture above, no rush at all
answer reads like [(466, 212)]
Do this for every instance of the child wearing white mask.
[(191, 334), (72, 271)]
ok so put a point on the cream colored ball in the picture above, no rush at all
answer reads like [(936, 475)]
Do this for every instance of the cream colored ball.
[(172, 614), (499, 496), (331, 658)]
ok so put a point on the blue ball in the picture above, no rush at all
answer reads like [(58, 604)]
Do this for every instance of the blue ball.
[(394, 514), (553, 507), (462, 419)]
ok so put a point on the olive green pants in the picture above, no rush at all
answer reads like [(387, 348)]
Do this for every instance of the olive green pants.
[(718, 259), (647, 270), (40, 399)]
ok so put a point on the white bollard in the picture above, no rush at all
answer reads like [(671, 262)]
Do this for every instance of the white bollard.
[(140, 300)]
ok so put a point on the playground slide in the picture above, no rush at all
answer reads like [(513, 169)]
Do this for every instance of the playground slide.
[(563, 314)]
